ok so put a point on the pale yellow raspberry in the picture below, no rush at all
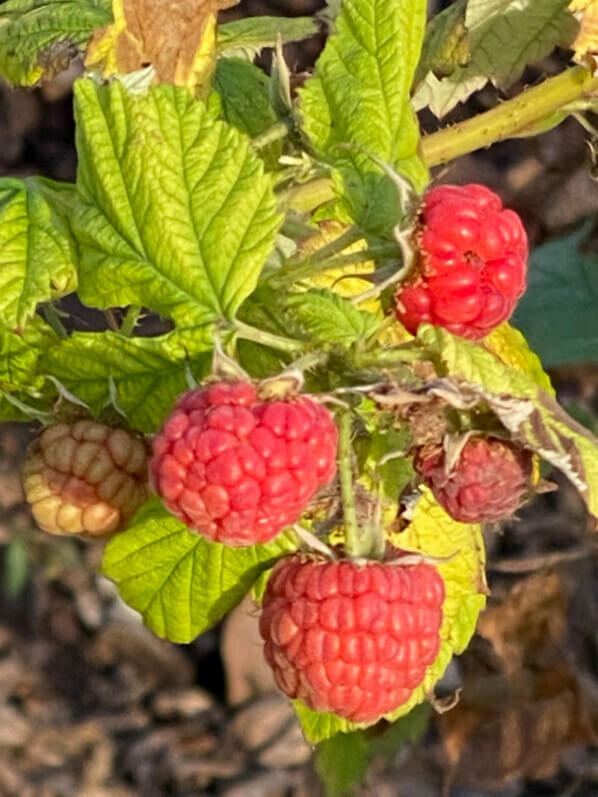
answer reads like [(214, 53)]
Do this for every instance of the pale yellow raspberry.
[(85, 478)]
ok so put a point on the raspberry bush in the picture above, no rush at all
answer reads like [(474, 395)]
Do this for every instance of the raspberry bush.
[(273, 258)]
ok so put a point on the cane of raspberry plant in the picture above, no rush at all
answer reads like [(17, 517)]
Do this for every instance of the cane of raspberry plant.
[(85, 478), (239, 469), (488, 482), (471, 263), (351, 637)]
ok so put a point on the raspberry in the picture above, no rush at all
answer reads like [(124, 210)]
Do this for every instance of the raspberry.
[(85, 478), (487, 483), (350, 638), (472, 263), (238, 469)]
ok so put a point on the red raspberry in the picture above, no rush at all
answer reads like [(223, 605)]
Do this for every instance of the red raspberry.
[(472, 263), (487, 483), (85, 478), (354, 639), (238, 469)]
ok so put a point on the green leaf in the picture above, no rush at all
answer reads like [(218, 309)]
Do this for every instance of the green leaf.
[(558, 312), (176, 212), (245, 97), (342, 762), (21, 406), (142, 376), (328, 318), (446, 44), (357, 104), (320, 725), (19, 355), (504, 37), (37, 252), (247, 37), (39, 38), (179, 582), (434, 533), (408, 729), (533, 418)]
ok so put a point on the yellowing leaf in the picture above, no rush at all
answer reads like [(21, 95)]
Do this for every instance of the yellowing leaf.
[(345, 280), (510, 346), (180, 45), (434, 533), (586, 11)]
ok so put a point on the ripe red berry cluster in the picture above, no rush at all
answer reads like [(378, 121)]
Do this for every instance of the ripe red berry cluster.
[(472, 263), (353, 639), (487, 483), (239, 469)]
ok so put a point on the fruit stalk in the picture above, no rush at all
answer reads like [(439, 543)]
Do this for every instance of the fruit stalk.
[(355, 545)]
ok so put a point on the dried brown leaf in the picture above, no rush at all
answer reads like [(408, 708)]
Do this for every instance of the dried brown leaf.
[(177, 39)]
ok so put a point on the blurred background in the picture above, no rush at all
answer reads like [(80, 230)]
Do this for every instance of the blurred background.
[(93, 705)]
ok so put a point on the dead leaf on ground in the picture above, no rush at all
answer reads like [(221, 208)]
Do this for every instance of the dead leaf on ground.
[(524, 702)]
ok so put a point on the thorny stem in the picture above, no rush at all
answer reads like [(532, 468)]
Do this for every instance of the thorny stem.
[(353, 542), (506, 120), (509, 117), (130, 320), (247, 332), (52, 317)]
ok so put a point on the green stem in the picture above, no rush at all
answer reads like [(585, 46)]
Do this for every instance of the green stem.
[(509, 117), (273, 133), (247, 332), (353, 542), (52, 317), (130, 320), (308, 196)]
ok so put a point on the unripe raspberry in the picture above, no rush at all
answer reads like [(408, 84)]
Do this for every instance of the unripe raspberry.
[(472, 263), (85, 478), (239, 469), (487, 483), (353, 639)]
